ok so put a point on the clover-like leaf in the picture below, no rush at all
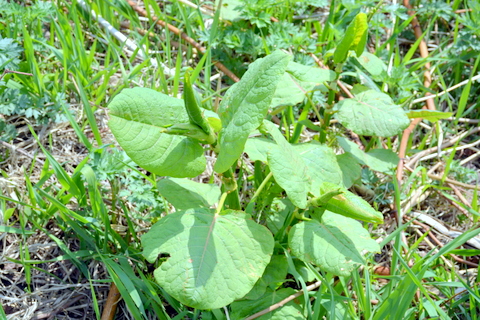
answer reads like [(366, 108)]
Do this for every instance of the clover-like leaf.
[(335, 244), (245, 106), (372, 113), (140, 117), (211, 260)]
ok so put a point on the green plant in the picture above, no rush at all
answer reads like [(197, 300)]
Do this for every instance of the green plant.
[(94, 211), (22, 94), (212, 251)]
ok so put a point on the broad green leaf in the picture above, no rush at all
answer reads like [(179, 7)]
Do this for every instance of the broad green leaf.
[(257, 148), (305, 272), (354, 39), (288, 168), (372, 113), (212, 260), (430, 115), (320, 160), (185, 194), (351, 170), (386, 157), (290, 311), (138, 119), (381, 160), (245, 106), (350, 205), (335, 244), (321, 163), (373, 64), (359, 88), (272, 278), (297, 81)]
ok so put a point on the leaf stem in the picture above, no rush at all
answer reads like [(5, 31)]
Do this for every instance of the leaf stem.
[(249, 208), (327, 114), (229, 185), (221, 202)]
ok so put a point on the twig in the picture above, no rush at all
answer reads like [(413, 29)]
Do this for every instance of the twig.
[(339, 83), (110, 306), (7, 71), (402, 152), (283, 302), (455, 182), (430, 244), (430, 105), (193, 5), (463, 11), (446, 91), (459, 195), (472, 157), (13, 148), (446, 232), (466, 120), (412, 162), (130, 44), (185, 37), (455, 149), (59, 309), (416, 197)]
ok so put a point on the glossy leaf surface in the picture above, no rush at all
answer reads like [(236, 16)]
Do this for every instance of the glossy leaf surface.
[(140, 117), (185, 194), (245, 105), (288, 168), (335, 244), (211, 260)]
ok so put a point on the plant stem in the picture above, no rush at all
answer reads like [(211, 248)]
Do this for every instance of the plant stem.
[(249, 208), (221, 202), (229, 185)]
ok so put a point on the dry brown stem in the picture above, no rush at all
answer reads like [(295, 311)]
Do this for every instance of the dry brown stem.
[(110, 306), (427, 82)]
